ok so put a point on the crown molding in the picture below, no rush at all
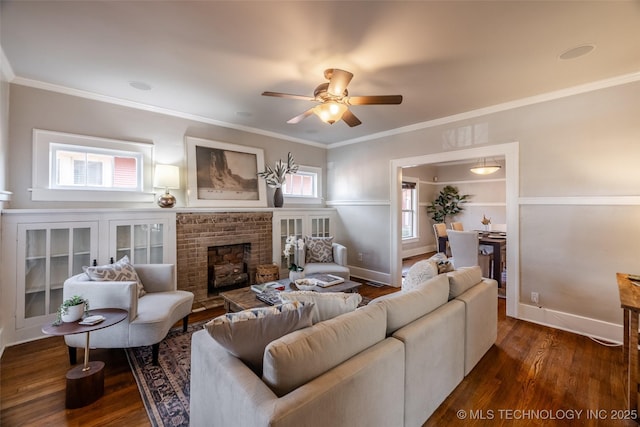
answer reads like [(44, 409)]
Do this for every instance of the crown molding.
[(549, 96), (5, 67), (37, 84)]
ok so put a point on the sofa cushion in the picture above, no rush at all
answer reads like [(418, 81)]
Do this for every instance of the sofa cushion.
[(405, 307), (245, 334), (301, 356), (120, 271), (419, 273), (318, 249), (463, 279), (327, 305)]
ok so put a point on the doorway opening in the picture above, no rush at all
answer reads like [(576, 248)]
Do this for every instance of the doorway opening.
[(510, 153)]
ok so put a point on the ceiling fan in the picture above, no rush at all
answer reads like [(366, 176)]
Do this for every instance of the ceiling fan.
[(334, 99)]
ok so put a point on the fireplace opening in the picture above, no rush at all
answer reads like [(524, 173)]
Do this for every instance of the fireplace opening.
[(227, 267)]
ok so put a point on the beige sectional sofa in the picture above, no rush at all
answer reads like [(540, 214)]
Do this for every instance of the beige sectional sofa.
[(391, 363)]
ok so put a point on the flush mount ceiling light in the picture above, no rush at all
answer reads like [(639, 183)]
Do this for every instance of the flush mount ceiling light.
[(484, 168), (576, 52), (139, 85)]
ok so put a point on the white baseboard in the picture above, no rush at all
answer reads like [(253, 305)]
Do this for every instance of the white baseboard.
[(580, 325), (374, 276), (418, 251), (1, 342)]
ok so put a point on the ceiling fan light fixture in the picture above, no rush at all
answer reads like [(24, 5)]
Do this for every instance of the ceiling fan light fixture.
[(484, 168), (330, 111)]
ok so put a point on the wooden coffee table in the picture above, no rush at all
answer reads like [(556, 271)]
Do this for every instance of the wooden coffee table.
[(85, 383), (245, 298)]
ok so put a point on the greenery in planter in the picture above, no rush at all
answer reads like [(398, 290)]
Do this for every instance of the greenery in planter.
[(447, 204), (71, 302)]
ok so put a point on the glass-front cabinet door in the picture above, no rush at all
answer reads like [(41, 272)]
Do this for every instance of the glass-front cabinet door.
[(320, 226), (51, 253), (288, 227), (144, 242), (299, 223)]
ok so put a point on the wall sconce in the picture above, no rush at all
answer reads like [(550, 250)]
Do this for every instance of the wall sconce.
[(484, 168), (167, 177)]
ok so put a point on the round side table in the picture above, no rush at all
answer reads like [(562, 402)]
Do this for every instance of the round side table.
[(85, 383)]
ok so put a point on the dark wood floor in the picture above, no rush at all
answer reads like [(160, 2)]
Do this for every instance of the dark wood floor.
[(530, 368)]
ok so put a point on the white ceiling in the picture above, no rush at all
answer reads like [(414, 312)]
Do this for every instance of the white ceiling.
[(213, 59)]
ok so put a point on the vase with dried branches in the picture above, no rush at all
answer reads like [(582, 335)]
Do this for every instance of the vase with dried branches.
[(276, 176)]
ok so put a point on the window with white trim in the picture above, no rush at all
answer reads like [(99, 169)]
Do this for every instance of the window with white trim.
[(76, 167), (409, 210), (305, 186), (71, 167)]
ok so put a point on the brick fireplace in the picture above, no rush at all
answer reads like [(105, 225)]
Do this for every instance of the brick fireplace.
[(196, 233)]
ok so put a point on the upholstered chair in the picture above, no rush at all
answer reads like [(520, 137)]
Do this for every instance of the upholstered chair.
[(151, 315), (322, 255), (464, 248)]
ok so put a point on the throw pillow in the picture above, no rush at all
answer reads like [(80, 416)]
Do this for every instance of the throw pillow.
[(326, 304), (318, 249), (120, 271), (444, 264), (246, 334), (419, 273)]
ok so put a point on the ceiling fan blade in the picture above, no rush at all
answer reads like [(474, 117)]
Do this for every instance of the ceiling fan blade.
[(350, 119), (300, 117), (338, 81), (374, 99), (288, 95)]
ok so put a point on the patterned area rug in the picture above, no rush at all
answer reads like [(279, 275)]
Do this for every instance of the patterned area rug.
[(165, 388)]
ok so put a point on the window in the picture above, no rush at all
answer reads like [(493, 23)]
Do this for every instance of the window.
[(409, 210), (304, 186), (75, 167), (70, 167)]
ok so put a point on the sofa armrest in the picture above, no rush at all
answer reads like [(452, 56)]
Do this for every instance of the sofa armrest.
[(122, 295), (217, 376), (339, 254), (156, 277), (242, 398)]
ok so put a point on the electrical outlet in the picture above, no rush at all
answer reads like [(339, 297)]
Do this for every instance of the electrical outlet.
[(359, 256), (535, 298)]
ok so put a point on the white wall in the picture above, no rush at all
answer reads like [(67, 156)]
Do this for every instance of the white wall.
[(578, 196)]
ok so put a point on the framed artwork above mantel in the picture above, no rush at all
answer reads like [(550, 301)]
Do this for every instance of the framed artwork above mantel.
[(220, 174)]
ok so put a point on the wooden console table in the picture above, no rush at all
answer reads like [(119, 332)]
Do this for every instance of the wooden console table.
[(85, 383), (630, 303)]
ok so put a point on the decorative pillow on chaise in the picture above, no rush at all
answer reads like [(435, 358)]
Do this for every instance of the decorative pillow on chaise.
[(327, 304), (245, 334), (318, 249), (120, 271)]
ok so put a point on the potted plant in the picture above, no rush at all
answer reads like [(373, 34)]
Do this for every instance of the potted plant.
[(275, 177), (72, 309), (447, 204), (291, 248)]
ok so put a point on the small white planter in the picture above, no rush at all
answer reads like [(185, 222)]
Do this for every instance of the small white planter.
[(295, 275), (74, 313)]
